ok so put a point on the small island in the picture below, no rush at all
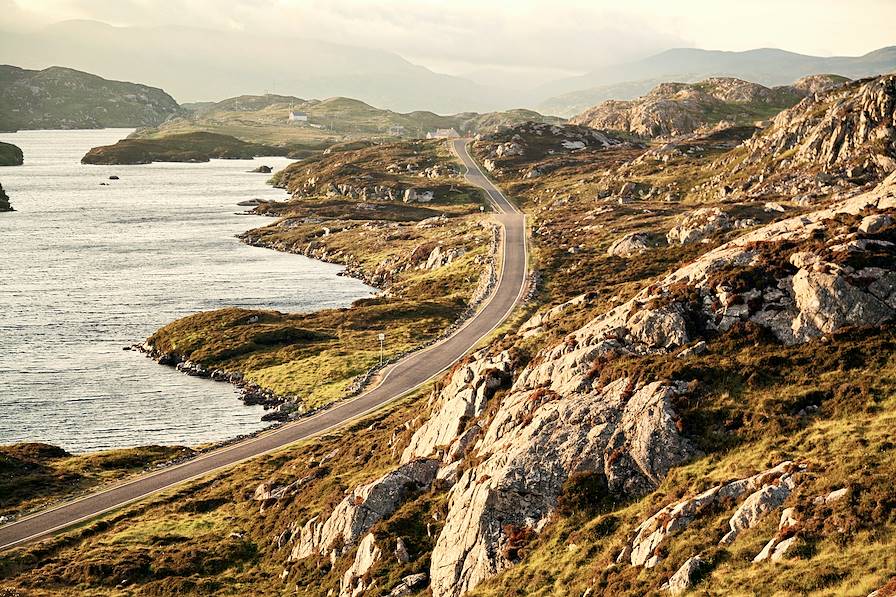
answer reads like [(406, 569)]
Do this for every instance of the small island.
[(186, 147), (4, 201), (10, 155)]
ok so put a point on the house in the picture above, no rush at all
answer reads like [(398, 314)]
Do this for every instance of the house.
[(396, 130), (297, 116), (443, 134)]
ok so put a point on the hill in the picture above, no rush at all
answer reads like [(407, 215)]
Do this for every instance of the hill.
[(673, 109), (10, 155), (63, 98), (769, 67)]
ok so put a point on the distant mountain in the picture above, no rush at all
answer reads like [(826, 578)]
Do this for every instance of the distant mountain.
[(62, 98), (768, 67), (198, 65)]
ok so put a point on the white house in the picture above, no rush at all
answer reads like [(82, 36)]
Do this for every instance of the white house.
[(443, 134), (297, 116)]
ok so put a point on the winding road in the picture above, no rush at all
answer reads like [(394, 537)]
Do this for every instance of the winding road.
[(399, 379)]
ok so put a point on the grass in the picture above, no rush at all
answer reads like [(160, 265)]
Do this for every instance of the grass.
[(34, 475)]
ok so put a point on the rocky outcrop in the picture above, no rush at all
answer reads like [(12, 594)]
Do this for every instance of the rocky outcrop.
[(463, 399), (623, 433), (674, 109), (848, 132), (4, 201), (361, 509), (683, 579), (699, 225), (366, 556), (765, 491)]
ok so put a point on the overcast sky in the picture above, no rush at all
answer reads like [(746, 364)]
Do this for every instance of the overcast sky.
[(459, 36)]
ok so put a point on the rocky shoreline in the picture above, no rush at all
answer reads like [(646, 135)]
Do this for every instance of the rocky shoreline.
[(285, 408)]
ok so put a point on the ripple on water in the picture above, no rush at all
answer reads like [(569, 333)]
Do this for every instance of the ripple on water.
[(87, 269)]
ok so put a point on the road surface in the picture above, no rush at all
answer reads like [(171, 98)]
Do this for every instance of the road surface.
[(399, 379)]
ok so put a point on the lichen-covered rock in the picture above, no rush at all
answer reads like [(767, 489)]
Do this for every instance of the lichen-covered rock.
[(757, 505), (625, 434), (780, 544), (362, 508)]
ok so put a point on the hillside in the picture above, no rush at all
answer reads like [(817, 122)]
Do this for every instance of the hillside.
[(10, 155), (673, 109), (769, 67), (698, 396), (264, 119), (62, 98)]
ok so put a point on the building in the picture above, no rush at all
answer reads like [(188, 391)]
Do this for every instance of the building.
[(396, 130), (443, 134), (297, 116)]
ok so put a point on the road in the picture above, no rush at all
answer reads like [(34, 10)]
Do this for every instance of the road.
[(401, 378)]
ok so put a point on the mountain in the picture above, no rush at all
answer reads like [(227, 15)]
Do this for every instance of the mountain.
[(197, 64), (766, 66), (672, 109), (62, 98)]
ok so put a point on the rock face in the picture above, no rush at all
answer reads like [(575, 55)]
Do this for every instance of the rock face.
[(367, 555), (622, 433), (683, 579), (847, 132), (362, 508), (673, 109), (4, 201)]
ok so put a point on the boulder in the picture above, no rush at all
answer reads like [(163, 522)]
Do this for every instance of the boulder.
[(630, 244), (683, 579), (699, 225), (367, 555)]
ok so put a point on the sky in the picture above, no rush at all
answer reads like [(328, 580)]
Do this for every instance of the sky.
[(526, 37)]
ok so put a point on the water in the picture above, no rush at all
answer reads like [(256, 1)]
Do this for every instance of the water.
[(87, 269)]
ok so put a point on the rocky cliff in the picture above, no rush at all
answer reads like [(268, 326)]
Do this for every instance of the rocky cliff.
[(62, 98)]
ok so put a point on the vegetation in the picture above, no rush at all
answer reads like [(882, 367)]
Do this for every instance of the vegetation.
[(10, 155), (35, 475)]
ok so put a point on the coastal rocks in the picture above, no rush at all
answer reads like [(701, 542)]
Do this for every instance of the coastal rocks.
[(263, 170), (362, 508), (10, 155), (623, 433), (699, 225), (4, 201), (630, 244)]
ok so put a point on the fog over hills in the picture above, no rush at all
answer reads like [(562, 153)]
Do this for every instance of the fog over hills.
[(197, 64)]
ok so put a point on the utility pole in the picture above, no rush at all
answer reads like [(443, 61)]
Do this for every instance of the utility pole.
[(382, 339)]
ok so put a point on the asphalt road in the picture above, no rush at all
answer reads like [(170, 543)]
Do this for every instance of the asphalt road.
[(398, 380)]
